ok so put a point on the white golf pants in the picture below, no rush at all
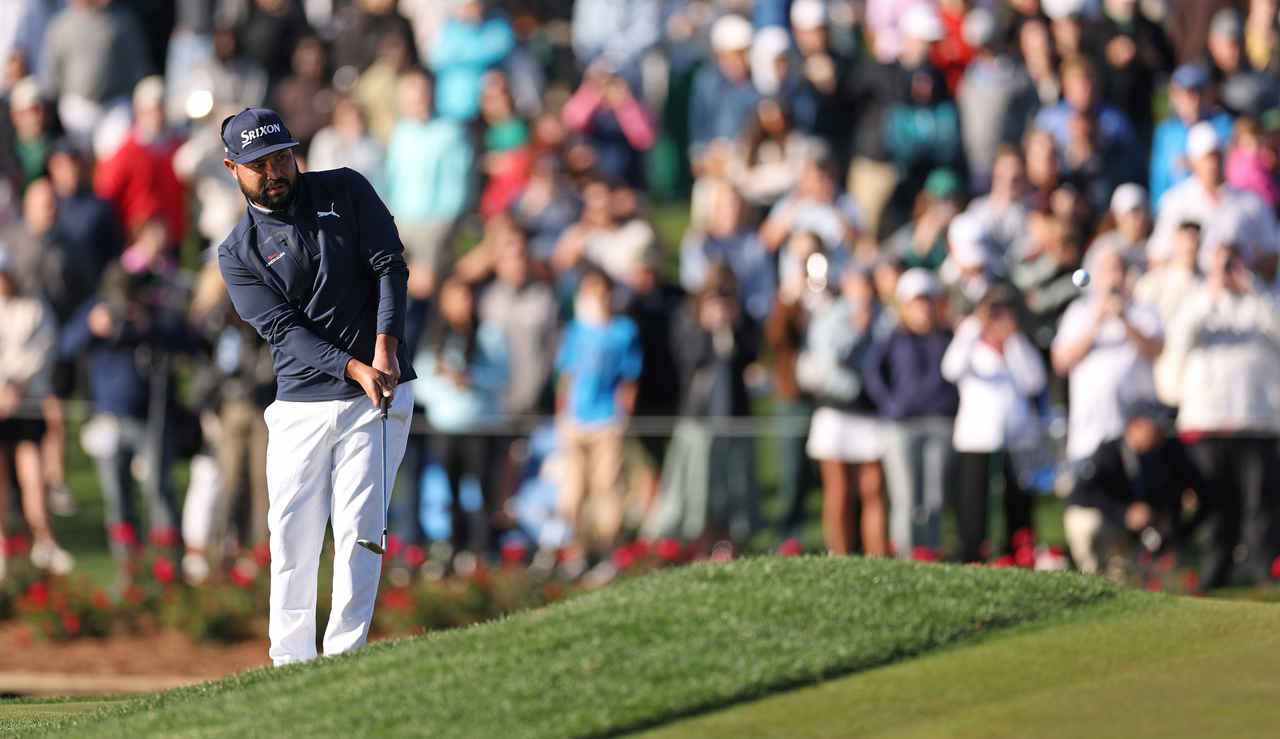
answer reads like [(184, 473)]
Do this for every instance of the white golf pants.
[(324, 462)]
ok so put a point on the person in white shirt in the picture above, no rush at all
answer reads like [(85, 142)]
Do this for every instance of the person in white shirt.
[(1105, 346), (1167, 288), (1129, 237), (996, 369), (1225, 215)]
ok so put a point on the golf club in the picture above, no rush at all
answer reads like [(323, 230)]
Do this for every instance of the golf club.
[(375, 547)]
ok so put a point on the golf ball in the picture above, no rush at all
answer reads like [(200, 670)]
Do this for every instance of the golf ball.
[(1080, 278)]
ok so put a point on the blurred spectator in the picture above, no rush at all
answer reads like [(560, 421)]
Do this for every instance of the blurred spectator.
[(1225, 215), (464, 366), (1105, 345), (920, 135), (377, 88), (1190, 97), (22, 29), (1225, 46), (547, 206), (599, 361), (995, 100), (1134, 483), (817, 205), (31, 138), (1188, 20), (618, 30), (508, 156), (884, 26), (27, 336), (234, 82), (729, 242), (363, 25), (305, 98), (723, 96), (904, 378), (954, 51), (1262, 37), (94, 54), (138, 178), (428, 170), (1166, 288), (768, 161), (467, 45), (872, 90), (615, 124), (610, 235), (922, 242), (267, 32), (995, 369), (970, 268), (846, 437), (347, 143), (1067, 21), (45, 263), (1035, 48), (1129, 236), (709, 486), (1224, 345), (198, 165), (1251, 164), (1043, 272), (1003, 210), (822, 69), (1130, 51)]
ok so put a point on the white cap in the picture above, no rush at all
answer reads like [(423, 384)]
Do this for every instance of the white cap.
[(149, 92), (769, 43), (731, 33), (921, 22), (1062, 9), (808, 14), (1202, 139), (978, 27), (1128, 197), (968, 240), (25, 94), (914, 283)]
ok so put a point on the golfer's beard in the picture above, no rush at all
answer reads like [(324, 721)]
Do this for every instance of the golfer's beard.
[(272, 202)]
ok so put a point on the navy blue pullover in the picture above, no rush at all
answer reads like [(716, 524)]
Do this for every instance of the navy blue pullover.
[(904, 376), (320, 282)]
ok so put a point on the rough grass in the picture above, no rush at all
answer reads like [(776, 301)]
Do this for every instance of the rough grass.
[(634, 655)]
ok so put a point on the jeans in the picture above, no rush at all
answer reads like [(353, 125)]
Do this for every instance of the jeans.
[(917, 464)]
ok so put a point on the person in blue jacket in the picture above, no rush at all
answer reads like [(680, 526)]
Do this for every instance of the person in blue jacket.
[(316, 266), (1190, 98), (465, 47)]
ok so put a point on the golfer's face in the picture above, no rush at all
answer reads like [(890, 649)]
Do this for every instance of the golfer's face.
[(271, 180)]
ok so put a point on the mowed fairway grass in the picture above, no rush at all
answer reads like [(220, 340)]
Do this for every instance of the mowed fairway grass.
[(688, 650)]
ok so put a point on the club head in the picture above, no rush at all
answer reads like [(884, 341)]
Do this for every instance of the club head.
[(372, 546)]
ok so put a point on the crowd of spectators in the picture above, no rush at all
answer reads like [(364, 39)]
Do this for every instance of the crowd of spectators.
[(888, 204)]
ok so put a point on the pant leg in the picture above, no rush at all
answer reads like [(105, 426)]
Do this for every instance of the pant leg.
[(232, 457), (573, 483), (201, 503), (795, 470), (299, 465), (357, 504), (1082, 527), (259, 498), (607, 489), (446, 451), (900, 480), (1259, 477), (1222, 525), (476, 458), (972, 478), (112, 445), (936, 460), (162, 504), (1019, 505)]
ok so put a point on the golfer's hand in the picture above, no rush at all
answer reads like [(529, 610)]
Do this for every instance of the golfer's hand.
[(384, 358), (376, 383)]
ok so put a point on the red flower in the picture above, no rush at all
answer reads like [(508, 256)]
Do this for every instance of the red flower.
[(241, 575), (1167, 562), (38, 594), (122, 533), (17, 545), (641, 548), (1144, 558), (668, 549), (513, 552), (262, 554), (1155, 585), (163, 570), (1191, 581), (1275, 569), (398, 599), (164, 536), (1056, 552), (622, 558), (414, 556), (920, 553), (135, 593), (60, 602), (1025, 557), (1023, 537), (71, 624), (1004, 560), (394, 545), (100, 600), (790, 548)]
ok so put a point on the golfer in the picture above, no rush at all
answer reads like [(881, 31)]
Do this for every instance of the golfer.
[(316, 266)]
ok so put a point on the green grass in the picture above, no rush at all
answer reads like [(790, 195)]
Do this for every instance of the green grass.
[(1167, 667), (634, 655)]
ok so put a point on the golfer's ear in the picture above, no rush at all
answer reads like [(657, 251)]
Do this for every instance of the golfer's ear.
[(231, 166)]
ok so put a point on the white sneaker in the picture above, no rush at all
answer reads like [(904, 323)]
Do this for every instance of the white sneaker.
[(53, 558), (61, 502), (195, 568)]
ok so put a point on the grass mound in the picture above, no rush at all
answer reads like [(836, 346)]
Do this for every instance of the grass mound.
[(633, 655)]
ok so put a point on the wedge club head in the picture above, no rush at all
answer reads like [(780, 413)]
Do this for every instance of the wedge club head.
[(373, 546)]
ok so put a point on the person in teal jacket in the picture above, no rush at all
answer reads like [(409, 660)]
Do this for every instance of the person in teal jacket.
[(465, 47)]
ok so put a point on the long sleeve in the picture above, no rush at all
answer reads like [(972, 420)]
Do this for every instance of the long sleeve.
[(955, 362), (1025, 364), (381, 244), (875, 382), (576, 114), (638, 124)]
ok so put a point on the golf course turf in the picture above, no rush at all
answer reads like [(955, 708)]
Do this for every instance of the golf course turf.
[(690, 641)]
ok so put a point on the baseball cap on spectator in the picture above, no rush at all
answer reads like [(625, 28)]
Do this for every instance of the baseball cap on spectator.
[(1147, 408), (969, 241), (768, 44), (149, 92), (1128, 197), (943, 184), (1190, 77), (1202, 139), (253, 133), (921, 22), (808, 14), (1059, 10), (915, 283), (1226, 22), (25, 94), (978, 27), (731, 33)]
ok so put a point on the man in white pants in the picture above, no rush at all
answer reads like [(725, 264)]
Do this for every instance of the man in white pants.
[(317, 267)]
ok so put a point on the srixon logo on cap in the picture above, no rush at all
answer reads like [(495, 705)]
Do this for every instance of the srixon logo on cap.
[(253, 133)]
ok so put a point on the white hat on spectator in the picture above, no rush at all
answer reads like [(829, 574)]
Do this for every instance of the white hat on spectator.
[(968, 239), (25, 94), (769, 43), (914, 283), (731, 33), (921, 22), (978, 27), (1202, 139), (807, 15), (1128, 197), (149, 92), (1062, 9)]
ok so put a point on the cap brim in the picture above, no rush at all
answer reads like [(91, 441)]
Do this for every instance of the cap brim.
[(260, 153)]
